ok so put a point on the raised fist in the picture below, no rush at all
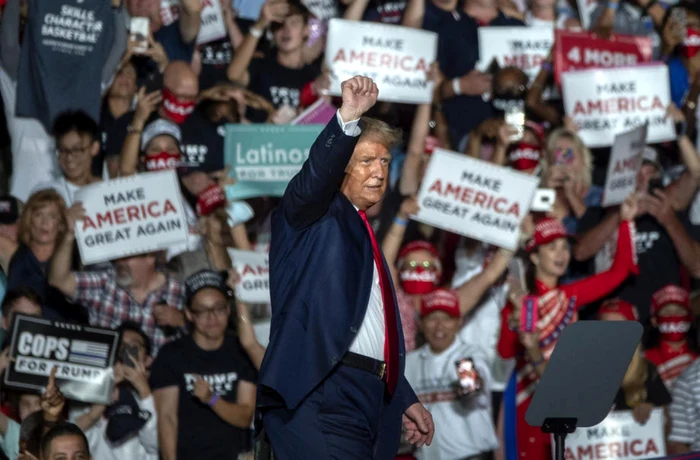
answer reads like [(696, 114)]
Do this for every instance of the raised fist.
[(359, 95)]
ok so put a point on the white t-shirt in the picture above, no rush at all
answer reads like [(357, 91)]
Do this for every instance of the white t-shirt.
[(462, 428)]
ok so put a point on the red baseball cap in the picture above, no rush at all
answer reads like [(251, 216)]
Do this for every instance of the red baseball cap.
[(626, 309), (669, 294), (546, 231), (440, 300)]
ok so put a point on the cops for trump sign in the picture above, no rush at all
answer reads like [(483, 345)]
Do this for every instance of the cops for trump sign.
[(475, 198), (397, 58), (522, 47), (607, 102), (83, 356), (264, 158), (131, 215)]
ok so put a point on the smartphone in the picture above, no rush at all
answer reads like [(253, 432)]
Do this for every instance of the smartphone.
[(467, 377), (529, 314), (153, 82), (128, 354), (139, 30), (543, 201), (515, 116), (655, 184)]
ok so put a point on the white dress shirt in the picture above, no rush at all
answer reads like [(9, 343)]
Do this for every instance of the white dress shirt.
[(369, 340)]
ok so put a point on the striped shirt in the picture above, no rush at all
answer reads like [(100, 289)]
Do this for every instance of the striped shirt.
[(685, 408)]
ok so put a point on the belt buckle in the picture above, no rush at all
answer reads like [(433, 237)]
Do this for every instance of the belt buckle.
[(382, 371)]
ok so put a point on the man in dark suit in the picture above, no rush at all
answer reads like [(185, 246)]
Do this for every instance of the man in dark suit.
[(331, 382)]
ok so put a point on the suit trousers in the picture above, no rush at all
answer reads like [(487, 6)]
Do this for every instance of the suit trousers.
[(341, 419)]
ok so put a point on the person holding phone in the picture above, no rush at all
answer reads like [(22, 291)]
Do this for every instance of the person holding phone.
[(127, 428), (556, 306)]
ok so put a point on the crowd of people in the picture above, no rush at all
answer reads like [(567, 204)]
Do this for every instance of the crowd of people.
[(107, 106)]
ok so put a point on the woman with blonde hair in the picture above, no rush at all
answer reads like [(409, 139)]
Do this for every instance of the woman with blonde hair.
[(41, 225), (568, 169)]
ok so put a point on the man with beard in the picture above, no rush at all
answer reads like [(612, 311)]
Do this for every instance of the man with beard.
[(135, 290)]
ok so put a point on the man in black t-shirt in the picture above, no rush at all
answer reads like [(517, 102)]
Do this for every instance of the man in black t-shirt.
[(203, 384)]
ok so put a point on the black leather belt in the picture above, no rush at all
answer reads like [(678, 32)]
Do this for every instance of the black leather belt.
[(365, 363)]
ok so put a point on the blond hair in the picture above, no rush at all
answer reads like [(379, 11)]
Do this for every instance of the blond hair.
[(381, 132), (38, 201), (579, 146)]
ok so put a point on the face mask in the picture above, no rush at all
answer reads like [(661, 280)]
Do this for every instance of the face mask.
[(691, 44), (176, 109), (674, 328), (507, 102), (418, 280), (524, 156), (162, 161)]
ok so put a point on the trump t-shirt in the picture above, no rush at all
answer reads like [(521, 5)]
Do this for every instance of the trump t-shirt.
[(200, 432)]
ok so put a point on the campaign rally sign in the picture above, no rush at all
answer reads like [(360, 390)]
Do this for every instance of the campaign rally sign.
[(248, 9), (212, 25), (619, 436), (475, 198), (130, 215), (523, 47), (623, 167), (318, 113), (264, 158), (397, 58), (254, 270), (83, 356), (584, 50), (604, 103)]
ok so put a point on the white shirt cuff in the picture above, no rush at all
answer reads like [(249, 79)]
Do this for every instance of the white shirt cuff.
[(350, 128)]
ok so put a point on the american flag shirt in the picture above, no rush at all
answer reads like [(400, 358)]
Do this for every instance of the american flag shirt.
[(109, 305)]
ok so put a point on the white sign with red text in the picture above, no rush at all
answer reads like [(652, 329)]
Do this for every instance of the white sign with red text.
[(395, 57), (523, 47), (606, 102), (475, 198), (254, 271), (130, 215), (619, 436), (623, 167), (212, 22)]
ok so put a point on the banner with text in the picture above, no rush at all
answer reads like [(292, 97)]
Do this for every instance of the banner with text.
[(130, 215), (604, 103), (212, 25), (584, 50), (395, 57), (619, 436), (623, 167), (322, 9), (264, 158), (254, 270), (475, 198), (523, 47), (83, 355)]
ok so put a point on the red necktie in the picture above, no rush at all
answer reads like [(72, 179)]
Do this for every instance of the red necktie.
[(391, 334)]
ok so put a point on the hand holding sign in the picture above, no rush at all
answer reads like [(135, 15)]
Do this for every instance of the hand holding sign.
[(642, 412), (73, 215), (628, 209), (409, 207), (359, 95), (52, 400), (202, 389)]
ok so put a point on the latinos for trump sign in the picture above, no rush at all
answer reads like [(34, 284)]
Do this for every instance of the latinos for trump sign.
[(264, 158), (254, 270), (475, 198), (397, 58), (618, 436), (523, 47), (584, 50), (623, 167), (83, 355), (131, 215), (604, 103)]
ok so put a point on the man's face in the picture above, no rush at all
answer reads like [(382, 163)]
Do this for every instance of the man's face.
[(367, 174), (67, 447), (134, 340), (75, 154), (509, 83), (209, 311), (22, 306), (130, 269), (185, 88), (292, 34), (440, 330), (124, 84)]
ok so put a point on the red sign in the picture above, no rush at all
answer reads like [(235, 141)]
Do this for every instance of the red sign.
[(585, 50)]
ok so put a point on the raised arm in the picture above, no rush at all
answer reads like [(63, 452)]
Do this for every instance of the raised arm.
[(310, 192), (391, 245), (129, 158), (594, 239), (471, 292), (190, 19)]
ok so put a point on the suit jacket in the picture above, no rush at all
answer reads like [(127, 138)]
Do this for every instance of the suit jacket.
[(321, 270)]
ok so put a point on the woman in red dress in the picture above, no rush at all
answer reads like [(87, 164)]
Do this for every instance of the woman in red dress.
[(669, 344), (549, 255)]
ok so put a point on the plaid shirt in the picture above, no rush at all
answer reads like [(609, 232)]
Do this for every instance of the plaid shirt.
[(109, 305)]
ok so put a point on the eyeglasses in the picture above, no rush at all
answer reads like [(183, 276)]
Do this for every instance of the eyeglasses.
[(75, 151), (425, 264), (210, 312)]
